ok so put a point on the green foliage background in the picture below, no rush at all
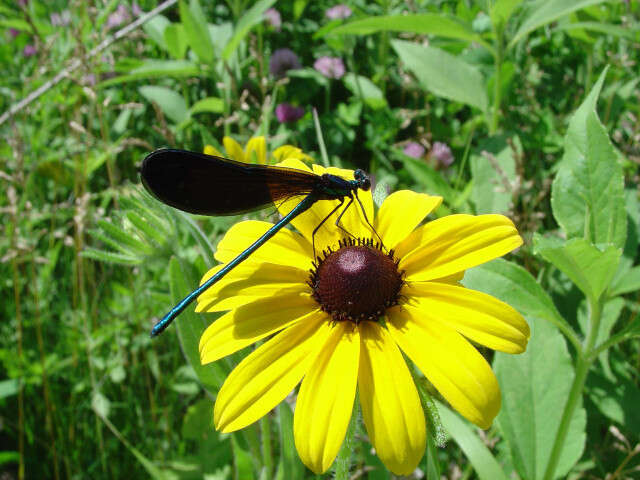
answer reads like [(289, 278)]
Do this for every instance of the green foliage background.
[(538, 102)]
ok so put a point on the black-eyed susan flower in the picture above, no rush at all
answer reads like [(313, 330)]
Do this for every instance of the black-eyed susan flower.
[(256, 151), (342, 319)]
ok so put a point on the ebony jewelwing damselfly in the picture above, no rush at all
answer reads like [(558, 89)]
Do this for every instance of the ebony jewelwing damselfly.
[(209, 185)]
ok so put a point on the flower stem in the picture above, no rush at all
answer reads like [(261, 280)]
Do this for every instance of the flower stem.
[(584, 361), (343, 460), (267, 457), (497, 87)]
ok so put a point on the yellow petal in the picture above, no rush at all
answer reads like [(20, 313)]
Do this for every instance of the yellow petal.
[(476, 315), (211, 150), (248, 282), (256, 151), (248, 324), (293, 162), (325, 401), (284, 248), (234, 149), (390, 403), (401, 213), (265, 377), (450, 362), (454, 243), (289, 151)]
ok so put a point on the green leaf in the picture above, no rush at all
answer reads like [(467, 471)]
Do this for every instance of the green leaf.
[(9, 457), (195, 26), (9, 388), (617, 399), (171, 103), (125, 239), (155, 69), (430, 179), (545, 12), (190, 326), (155, 28), (443, 74), (626, 283), (424, 24), (252, 17), (493, 169), (514, 285), (290, 464), (535, 387), (208, 105), (176, 40), (146, 229), (463, 432), (606, 28), (587, 195), (590, 268), (365, 89), (110, 257), (501, 11)]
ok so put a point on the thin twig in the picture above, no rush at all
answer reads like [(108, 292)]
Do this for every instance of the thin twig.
[(106, 43)]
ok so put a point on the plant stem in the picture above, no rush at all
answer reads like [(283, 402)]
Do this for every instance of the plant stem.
[(267, 456), (343, 460), (497, 90), (585, 359)]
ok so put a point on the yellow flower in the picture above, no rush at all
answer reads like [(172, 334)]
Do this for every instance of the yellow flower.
[(255, 151), (343, 322)]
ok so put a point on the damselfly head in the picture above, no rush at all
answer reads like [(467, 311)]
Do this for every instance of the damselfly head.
[(363, 180)]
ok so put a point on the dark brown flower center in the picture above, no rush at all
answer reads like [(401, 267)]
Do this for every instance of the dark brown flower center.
[(356, 282)]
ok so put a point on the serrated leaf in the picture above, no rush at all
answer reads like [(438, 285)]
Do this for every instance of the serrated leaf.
[(196, 29), (533, 399), (587, 195), (443, 74), (171, 103), (590, 268)]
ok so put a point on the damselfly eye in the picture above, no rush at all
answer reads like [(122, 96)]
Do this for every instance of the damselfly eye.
[(363, 180)]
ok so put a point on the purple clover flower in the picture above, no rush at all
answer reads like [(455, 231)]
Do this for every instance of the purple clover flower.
[(283, 60), (14, 32), (330, 67), (414, 150), (442, 154), (60, 19), (273, 18), (338, 12), (287, 113), (117, 18), (136, 9), (29, 50)]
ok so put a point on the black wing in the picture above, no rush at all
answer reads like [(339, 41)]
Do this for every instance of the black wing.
[(209, 185)]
